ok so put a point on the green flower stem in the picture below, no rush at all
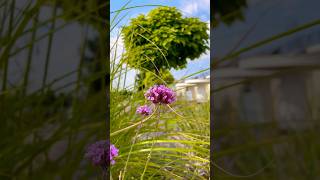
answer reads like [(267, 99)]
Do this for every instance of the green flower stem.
[(153, 143), (135, 124), (133, 143)]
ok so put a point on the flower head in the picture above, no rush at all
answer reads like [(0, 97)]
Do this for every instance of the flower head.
[(113, 153), (98, 153), (144, 110), (160, 94)]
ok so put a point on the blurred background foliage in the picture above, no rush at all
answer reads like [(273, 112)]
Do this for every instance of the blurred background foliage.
[(252, 137), (46, 128), (228, 12)]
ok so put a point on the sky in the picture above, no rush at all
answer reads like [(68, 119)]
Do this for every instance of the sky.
[(194, 8)]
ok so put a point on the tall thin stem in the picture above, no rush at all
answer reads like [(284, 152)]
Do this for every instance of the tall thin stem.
[(83, 50), (3, 17), (30, 54), (6, 60), (46, 66), (125, 77), (134, 141), (152, 146)]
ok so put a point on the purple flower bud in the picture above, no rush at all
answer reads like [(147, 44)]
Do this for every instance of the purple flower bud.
[(160, 94), (98, 153), (144, 110), (113, 153)]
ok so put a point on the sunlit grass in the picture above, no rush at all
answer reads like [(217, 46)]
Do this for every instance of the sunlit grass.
[(172, 143)]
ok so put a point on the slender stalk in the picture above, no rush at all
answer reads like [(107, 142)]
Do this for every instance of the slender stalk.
[(83, 50), (78, 81), (13, 38), (156, 5), (134, 125), (152, 146), (131, 147), (267, 41), (6, 60), (103, 54), (46, 66), (113, 64), (30, 54), (3, 17), (174, 111), (119, 79), (104, 174), (24, 23), (125, 77), (118, 12), (26, 80)]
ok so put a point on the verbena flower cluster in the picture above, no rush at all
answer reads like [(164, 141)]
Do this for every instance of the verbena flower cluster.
[(157, 94), (113, 153), (144, 110), (160, 94), (98, 153)]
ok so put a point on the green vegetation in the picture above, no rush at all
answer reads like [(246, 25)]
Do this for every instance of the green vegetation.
[(162, 40), (148, 78), (178, 147), (173, 142)]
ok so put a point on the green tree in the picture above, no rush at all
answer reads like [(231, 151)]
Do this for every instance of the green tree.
[(163, 39), (148, 78)]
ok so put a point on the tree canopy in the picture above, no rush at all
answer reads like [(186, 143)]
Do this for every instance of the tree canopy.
[(164, 39), (147, 79)]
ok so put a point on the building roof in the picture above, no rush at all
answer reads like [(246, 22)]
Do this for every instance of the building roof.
[(280, 61), (265, 65), (223, 73)]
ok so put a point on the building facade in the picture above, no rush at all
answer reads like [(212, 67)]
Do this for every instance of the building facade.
[(197, 89)]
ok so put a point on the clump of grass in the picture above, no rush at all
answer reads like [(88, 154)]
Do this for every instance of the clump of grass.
[(168, 143)]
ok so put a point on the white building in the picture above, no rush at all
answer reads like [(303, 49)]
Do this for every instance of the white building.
[(284, 88), (194, 89)]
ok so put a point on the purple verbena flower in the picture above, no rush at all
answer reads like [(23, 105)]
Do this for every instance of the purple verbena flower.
[(98, 153), (144, 110), (160, 94), (113, 153)]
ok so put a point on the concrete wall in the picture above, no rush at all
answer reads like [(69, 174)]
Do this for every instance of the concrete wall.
[(291, 100)]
